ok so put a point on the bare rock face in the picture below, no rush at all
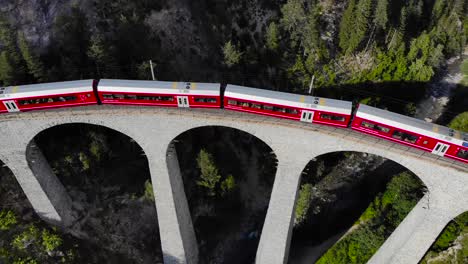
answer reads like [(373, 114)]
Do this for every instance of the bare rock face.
[(35, 18)]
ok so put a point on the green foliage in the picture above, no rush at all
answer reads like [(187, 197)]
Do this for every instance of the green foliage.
[(355, 24), (346, 25), (455, 230), (149, 194), (381, 14), (464, 70), (356, 247), (445, 239), (272, 37), (85, 161), (30, 237), (303, 203), (372, 211), (12, 68), (410, 109), (294, 20), (33, 63), (209, 175), (460, 122), (71, 37), (7, 219), (228, 185), (232, 55), (377, 222), (27, 260), (50, 241)]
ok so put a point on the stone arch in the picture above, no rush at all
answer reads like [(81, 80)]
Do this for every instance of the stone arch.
[(60, 198), (42, 171), (173, 167), (389, 156), (367, 184), (452, 236)]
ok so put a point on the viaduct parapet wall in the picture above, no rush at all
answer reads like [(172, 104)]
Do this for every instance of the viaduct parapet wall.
[(294, 144)]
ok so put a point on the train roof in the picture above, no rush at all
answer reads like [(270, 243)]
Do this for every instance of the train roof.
[(289, 99), (44, 89), (160, 87), (412, 124)]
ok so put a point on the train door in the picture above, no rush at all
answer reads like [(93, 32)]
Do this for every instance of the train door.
[(307, 116), (440, 149), (182, 101), (11, 106)]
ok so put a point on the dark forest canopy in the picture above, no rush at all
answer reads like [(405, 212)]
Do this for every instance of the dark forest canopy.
[(265, 43)]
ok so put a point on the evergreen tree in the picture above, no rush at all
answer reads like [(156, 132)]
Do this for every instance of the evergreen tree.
[(272, 37), (6, 69), (209, 175), (71, 39), (381, 14), (12, 68), (362, 15), (294, 20), (232, 56), (346, 25), (33, 63)]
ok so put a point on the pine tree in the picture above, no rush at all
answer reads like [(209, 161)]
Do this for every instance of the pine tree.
[(209, 175), (6, 69), (33, 63), (346, 25), (272, 38), (362, 15), (381, 14), (231, 55), (11, 64), (294, 20)]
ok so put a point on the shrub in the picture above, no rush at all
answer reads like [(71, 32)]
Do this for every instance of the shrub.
[(303, 203), (50, 241), (149, 194), (7, 219), (460, 122)]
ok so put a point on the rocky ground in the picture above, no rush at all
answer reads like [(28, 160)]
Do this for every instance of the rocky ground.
[(440, 91)]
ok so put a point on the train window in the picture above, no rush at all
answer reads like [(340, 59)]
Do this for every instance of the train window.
[(47, 100), (404, 136), (268, 107), (130, 97), (367, 124), (425, 142), (375, 127), (232, 102), (462, 153), (107, 96), (291, 111), (279, 109), (257, 106), (205, 100), (381, 128), (333, 117)]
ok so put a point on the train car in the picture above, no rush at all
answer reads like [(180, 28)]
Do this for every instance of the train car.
[(433, 138), (286, 105), (46, 95), (158, 93)]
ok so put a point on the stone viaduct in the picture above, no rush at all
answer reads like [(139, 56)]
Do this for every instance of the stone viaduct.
[(294, 144)]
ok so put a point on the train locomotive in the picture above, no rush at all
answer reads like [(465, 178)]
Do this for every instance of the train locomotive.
[(394, 127)]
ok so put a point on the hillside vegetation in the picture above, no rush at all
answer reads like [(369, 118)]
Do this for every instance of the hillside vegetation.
[(280, 44)]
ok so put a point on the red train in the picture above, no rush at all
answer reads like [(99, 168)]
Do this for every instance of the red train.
[(405, 130)]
